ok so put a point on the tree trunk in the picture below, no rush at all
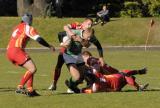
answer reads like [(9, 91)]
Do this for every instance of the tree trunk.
[(36, 7)]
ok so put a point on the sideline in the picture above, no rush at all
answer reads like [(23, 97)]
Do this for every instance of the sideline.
[(43, 49)]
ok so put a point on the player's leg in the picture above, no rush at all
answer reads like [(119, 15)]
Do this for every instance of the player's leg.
[(28, 78), (60, 62), (57, 72), (131, 81), (135, 72), (73, 82)]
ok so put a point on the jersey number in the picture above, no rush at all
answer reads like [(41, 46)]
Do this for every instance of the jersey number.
[(14, 34)]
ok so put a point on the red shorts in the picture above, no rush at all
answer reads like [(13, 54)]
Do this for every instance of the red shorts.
[(17, 56), (115, 82)]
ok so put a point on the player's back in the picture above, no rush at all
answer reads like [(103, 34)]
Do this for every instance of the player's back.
[(115, 81), (18, 37)]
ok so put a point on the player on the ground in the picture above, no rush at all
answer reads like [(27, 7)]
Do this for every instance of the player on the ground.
[(17, 55), (87, 23), (115, 81)]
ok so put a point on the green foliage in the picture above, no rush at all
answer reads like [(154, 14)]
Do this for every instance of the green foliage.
[(131, 9), (154, 9), (119, 31)]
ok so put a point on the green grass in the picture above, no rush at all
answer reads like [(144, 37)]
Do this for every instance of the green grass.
[(118, 31), (45, 61)]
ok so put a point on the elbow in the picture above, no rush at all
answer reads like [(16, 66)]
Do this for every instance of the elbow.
[(65, 28)]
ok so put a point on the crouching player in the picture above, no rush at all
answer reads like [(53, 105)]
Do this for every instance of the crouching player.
[(17, 55), (114, 81)]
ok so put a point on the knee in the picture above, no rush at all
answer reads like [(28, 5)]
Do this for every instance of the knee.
[(33, 70)]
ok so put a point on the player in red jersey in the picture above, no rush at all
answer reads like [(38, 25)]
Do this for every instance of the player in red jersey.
[(60, 60), (86, 24), (17, 55), (107, 78)]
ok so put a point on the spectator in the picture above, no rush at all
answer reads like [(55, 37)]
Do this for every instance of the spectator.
[(103, 15)]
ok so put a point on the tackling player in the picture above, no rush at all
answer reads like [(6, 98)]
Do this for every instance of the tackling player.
[(17, 55), (99, 81), (87, 23)]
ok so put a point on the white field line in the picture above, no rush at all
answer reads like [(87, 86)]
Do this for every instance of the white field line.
[(104, 47), (16, 72), (12, 72)]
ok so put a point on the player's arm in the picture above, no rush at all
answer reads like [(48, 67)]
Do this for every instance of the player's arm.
[(68, 31), (71, 34), (31, 32), (95, 41), (44, 43)]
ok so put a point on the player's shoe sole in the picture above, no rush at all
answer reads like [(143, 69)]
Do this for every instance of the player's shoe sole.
[(32, 94)]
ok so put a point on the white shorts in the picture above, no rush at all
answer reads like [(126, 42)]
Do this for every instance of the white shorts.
[(73, 59)]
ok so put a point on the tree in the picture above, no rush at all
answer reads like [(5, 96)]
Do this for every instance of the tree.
[(36, 7)]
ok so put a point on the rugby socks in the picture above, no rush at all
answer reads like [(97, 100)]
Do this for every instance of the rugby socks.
[(72, 82), (57, 74), (25, 78), (58, 68), (30, 84), (135, 72)]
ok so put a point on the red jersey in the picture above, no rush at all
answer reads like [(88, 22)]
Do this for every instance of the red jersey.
[(21, 34), (114, 82)]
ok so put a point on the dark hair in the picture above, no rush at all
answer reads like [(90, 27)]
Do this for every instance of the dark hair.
[(86, 53)]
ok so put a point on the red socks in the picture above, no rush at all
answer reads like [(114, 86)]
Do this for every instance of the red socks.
[(27, 78)]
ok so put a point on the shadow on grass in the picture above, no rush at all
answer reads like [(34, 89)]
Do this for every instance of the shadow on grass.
[(10, 89), (125, 91), (7, 89), (147, 90)]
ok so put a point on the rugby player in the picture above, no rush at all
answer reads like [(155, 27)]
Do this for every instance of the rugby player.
[(86, 24), (111, 79), (17, 55)]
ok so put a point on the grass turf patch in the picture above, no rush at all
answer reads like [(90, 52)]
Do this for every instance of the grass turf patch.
[(126, 31), (45, 61)]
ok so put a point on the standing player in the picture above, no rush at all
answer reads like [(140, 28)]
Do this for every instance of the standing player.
[(17, 55), (86, 24)]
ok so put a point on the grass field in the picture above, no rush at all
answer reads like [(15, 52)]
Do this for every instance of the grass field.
[(119, 31), (10, 76)]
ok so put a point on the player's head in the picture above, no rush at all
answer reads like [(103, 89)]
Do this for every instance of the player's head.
[(87, 23), (86, 55), (27, 18)]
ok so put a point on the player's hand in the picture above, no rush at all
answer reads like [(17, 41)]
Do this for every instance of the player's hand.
[(102, 61), (52, 48)]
